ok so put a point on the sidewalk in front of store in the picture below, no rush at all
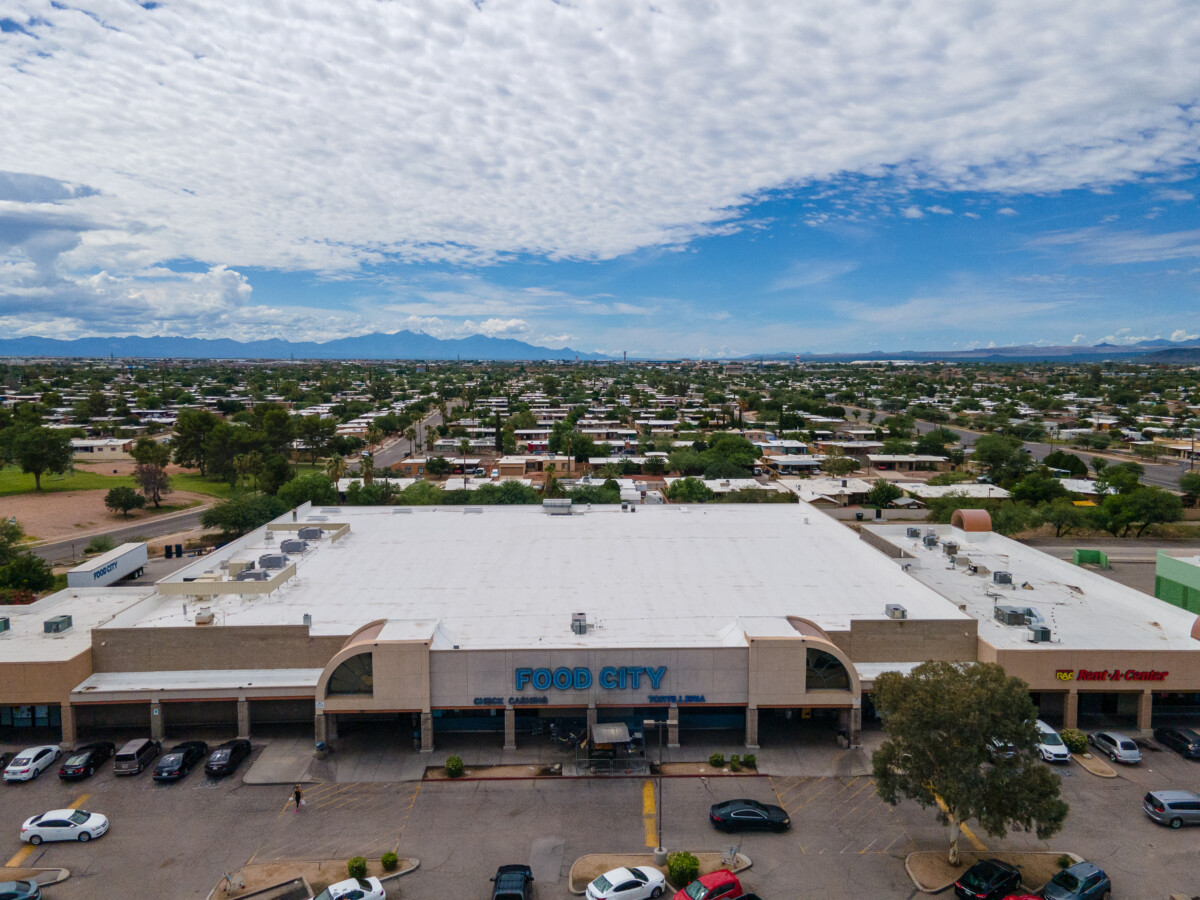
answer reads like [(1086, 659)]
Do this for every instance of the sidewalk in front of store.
[(380, 756)]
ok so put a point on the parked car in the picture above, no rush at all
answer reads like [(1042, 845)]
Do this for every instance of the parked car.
[(1182, 740), (633, 883), (354, 889), (83, 762), (227, 757), (1050, 745), (1082, 881), (1118, 747), (512, 883), (719, 885), (180, 760), (5, 759), (1174, 808), (29, 764), (20, 890), (988, 879), (135, 756), (748, 815), (998, 749), (64, 825)]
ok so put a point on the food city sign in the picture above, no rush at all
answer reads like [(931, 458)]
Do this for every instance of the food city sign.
[(1111, 675), (580, 678)]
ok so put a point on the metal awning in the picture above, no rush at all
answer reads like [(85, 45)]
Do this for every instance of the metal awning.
[(610, 733)]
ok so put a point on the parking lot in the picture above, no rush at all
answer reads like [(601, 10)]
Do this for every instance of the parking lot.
[(174, 841)]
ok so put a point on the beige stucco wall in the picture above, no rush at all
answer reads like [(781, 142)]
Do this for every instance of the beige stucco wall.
[(777, 670), (1040, 668), (401, 678), (909, 640), (210, 647), (43, 682)]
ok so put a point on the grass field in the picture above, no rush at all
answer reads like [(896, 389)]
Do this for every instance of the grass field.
[(13, 481)]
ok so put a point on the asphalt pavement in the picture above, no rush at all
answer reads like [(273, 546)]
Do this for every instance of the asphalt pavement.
[(71, 549)]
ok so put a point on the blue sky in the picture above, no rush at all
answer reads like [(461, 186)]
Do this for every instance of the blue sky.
[(666, 179)]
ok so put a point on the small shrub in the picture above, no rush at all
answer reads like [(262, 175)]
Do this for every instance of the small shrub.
[(682, 868), (389, 861), (750, 761), (454, 766), (1075, 740), (735, 763), (717, 760), (357, 867), (1064, 861), (102, 543)]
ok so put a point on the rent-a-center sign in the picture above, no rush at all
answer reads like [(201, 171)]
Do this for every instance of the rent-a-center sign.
[(1111, 675)]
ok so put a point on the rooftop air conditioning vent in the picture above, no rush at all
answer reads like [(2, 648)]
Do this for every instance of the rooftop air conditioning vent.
[(895, 611), (1002, 577), (331, 509), (913, 532), (253, 575), (951, 548), (579, 623), (1038, 634), (4, 624), (557, 506), (930, 541), (402, 511), (204, 615), (1009, 615), (57, 624), (272, 561), (293, 546), (472, 510), (310, 534)]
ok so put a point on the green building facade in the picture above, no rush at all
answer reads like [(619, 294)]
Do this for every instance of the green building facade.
[(1178, 581)]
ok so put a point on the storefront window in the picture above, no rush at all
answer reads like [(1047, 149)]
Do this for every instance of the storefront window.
[(354, 676), (825, 672)]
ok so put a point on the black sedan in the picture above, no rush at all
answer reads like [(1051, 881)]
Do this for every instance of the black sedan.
[(988, 879), (84, 762), (179, 760), (748, 815), (227, 757), (1183, 740)]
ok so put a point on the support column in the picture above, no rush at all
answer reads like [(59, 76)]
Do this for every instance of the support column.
[(855, 725), (426, 732), (751, 727), (673, 726), (158, 728), (320, 727), (243, 718), (1145, 711), (331, 726), (510, 728), (1071, 710), (67, 714), (591, 719)]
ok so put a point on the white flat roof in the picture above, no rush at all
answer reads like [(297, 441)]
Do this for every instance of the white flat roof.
[(510, 577), (198, 680), (962, 489), (1084, 610), (26, 640)]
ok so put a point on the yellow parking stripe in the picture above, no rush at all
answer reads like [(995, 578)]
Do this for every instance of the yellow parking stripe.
[(25, 852), (970, 835), (649, 814)]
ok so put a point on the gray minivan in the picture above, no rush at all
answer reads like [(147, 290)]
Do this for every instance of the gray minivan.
[(1173, 808), (135, 756)]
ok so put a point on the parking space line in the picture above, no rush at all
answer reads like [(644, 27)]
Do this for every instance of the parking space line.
[(649, 814), (21, 855), (975, 842), (80, 800)]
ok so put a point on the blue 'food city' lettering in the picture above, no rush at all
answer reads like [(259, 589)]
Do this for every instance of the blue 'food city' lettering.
[(580, 678), (100, 573)]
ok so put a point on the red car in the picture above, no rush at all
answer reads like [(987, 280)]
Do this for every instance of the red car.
[(719, 885)]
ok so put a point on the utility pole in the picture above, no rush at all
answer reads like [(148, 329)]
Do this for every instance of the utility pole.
[(660, 854)]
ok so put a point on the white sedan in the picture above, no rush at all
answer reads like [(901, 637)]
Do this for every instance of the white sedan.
[(354, 889), (31, 763), (634, 883), (64, 825)]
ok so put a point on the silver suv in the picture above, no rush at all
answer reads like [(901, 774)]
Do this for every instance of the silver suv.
[(1118, 747), (1174, 808)]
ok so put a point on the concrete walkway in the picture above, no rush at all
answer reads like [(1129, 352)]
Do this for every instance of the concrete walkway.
[(383, 755)]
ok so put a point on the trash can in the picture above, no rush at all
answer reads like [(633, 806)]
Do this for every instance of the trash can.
[(858, 517), (321, 750)]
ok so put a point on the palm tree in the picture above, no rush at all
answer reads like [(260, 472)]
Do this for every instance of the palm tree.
[(609, 470), (374, 434), (464, 445), (410, 435), (335, 467), (367, 468)]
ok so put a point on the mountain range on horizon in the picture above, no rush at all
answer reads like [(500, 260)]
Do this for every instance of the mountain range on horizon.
[(419, 346)]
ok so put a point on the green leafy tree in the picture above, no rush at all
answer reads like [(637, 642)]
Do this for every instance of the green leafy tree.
[(315, 433), (315, 488), (27, 573), (420, 493), (124, 499), (1150, 505), (150, 473), (1122, 478), (689, 490), (883, 492), (243, 513), (11, 536), (1064, 515), (1189, 483), (189, 443), (939, 721), (1039, 486), (999, 457), (36, 450), (1069, 462), (838, 465)]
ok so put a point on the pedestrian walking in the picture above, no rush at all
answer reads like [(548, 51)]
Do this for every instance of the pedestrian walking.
[(298, 796)]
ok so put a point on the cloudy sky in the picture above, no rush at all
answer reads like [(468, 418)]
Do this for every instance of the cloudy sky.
[(696, 177)]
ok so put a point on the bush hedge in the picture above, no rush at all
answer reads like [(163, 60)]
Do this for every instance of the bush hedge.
[(454, 766), (735, 763), (717, 760), (1075, 740), (389, 861), (750, 761), (357, 867), (682, 868)]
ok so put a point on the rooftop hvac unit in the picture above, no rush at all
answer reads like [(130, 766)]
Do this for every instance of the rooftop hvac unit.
[(930, 541), (475, 510), (269, 537), (310, 534), (560, 506), (913, 532), (293, 546), (272, 561), (579, 623), (204, 615), (895, 611), (57, 624), (1002, 577), (253, 575), (402, 511), (1038, 634), (1009, 615), (4, 624), (951, 548), (308, 620)]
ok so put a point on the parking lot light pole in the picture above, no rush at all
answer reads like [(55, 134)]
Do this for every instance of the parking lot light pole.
[(660, 855)]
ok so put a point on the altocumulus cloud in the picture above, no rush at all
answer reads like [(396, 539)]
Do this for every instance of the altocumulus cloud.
[(325, 137)]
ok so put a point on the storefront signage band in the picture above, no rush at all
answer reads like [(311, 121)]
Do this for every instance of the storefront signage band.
[(1113, 675), (580, 678)]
